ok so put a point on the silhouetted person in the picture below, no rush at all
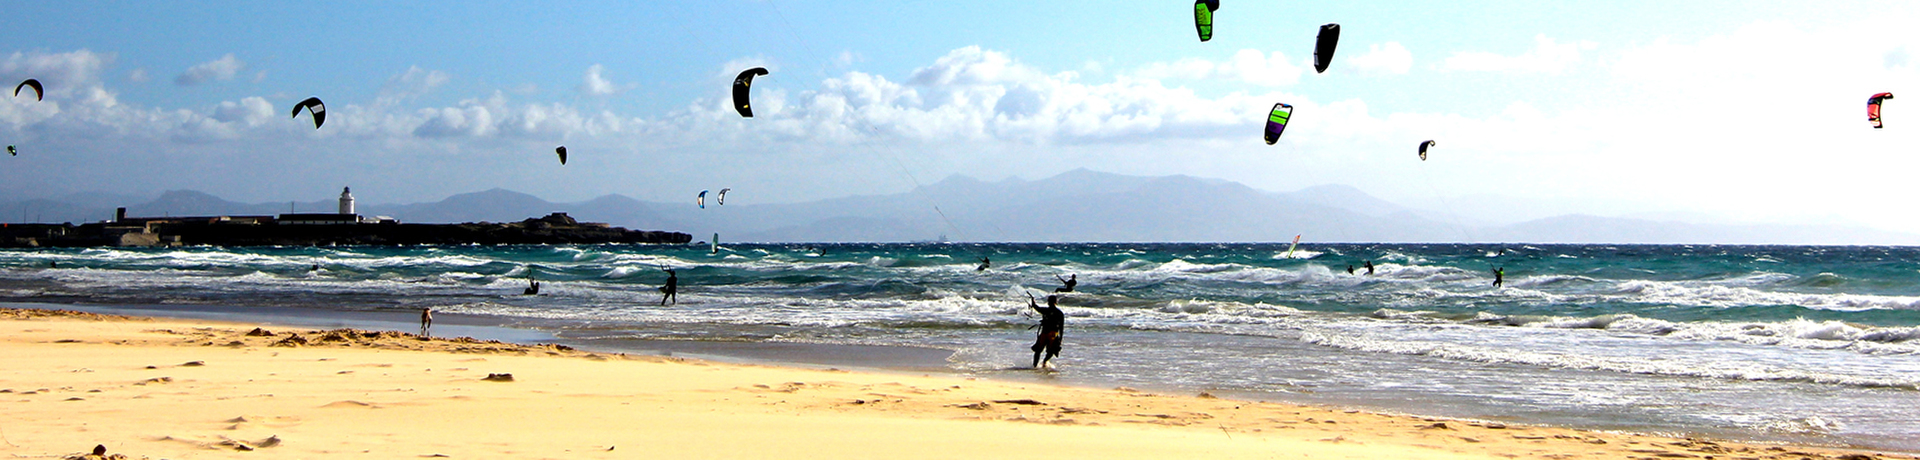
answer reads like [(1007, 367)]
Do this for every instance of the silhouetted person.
[(53, 264), (1349, 269), (1499, 276), (426, 320), (1053, 322), (984, 263), (533, 288), (314, 268), (1369, 267), (670, 290), (1070, 282)]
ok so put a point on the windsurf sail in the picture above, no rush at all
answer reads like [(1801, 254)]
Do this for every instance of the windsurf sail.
[(714, 248), (1296, 244)]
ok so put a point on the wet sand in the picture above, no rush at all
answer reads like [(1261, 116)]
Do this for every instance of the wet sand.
[(167, 388)]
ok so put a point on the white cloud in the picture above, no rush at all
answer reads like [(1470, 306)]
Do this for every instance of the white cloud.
[(1246, 65), (138, 76), (594, 84), (219, 69), (414, 82), (1547, 56), (1390, 58)]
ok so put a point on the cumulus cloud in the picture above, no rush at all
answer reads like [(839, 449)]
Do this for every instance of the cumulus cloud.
[(219, 69), (1547, 56), (594, 84), (1246, 66), (77, 69), (1390, 58), (414, 82)]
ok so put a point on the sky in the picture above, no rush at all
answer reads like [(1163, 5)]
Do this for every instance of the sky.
[(1725, 111)]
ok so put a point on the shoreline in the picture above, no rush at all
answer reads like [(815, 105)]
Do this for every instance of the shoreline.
[(126, 381), (526, 332)]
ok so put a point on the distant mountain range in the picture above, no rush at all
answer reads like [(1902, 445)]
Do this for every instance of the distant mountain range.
[(1076, 206)]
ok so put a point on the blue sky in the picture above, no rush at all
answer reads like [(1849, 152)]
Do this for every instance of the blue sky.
[(1731, 111)]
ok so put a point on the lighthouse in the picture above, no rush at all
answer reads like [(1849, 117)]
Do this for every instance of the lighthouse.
[(346, 200)]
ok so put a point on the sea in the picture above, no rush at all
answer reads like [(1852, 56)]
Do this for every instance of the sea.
[(1803, 344)]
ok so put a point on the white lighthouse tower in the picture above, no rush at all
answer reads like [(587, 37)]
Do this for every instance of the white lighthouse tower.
[(346, 200)]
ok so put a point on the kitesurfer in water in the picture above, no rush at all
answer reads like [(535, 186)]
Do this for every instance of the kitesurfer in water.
[(533, 287), (670, 290), (984, 263), (1349, 269), (1070, 282), (1369, 267), (1499, 276), (1053, 322)]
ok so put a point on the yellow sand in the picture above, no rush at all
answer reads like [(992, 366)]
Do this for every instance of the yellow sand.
[(71, 381)]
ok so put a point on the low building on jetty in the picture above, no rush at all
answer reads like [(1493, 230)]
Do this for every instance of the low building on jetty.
[(314, 229)]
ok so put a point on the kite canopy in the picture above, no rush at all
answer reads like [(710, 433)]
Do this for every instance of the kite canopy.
[(1277, 121), (39, 93), (723, 197), (1203, 17), (315, 107), (1423, 149), (701, 200), (11, 151), (562, 151), (1873, 108), (740, 86), (1323, 48)]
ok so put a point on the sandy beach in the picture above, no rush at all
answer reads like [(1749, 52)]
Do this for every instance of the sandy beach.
[(159, 388)]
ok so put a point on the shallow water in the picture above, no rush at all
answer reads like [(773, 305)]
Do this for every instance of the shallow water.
[(1809, 344)]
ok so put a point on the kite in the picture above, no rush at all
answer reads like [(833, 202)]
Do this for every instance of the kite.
[(1873, 108), (1203, 17), (1323, 48), (314, 106), (740, 86), (1277, 121), (39, 94)]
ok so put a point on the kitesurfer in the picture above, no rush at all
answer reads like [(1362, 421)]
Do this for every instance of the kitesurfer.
[(1369, 267), (984, 263), (1499, 276), (1070, 282), (1053, 322), (1349, 269), (533, 287), (670, 290)]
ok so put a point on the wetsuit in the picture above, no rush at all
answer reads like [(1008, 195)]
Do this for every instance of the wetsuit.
[(1070, 283), (672, 287), (1053, 323)]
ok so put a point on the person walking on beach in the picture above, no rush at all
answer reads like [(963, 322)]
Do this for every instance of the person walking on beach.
[(426, 320), (1070, 281), (1053, 323), (670, 290), (1499, 276), (1369, 267)]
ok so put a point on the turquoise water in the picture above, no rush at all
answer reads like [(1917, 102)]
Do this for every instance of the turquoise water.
[(1810, 344)]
